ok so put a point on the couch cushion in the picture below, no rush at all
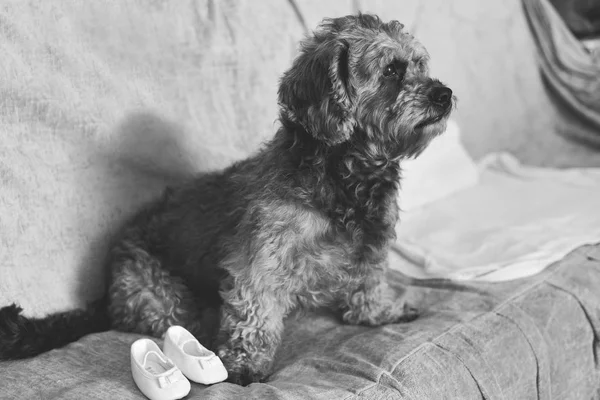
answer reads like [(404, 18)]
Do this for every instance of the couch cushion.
[(530, 338)]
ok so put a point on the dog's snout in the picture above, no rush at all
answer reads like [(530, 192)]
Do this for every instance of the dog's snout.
[(441, 95)]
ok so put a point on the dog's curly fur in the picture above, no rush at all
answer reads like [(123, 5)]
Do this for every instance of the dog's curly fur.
[(306, 222)]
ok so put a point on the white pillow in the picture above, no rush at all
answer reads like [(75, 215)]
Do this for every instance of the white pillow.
[(442, 169)]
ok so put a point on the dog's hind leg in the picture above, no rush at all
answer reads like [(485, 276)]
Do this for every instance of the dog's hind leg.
[(145, 298)]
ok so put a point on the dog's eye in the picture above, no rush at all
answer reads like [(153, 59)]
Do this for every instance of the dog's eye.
[(390, 70), (397, 69)]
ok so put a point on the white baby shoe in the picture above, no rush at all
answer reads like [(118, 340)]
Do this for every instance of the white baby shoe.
[(157, 377), (195, 361)]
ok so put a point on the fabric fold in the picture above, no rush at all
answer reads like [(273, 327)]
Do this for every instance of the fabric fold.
[(570, 69)]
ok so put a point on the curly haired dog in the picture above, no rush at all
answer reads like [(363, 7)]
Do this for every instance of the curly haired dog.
[(306, 222)]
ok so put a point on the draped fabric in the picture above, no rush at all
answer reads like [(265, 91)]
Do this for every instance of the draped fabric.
[(571, 71)]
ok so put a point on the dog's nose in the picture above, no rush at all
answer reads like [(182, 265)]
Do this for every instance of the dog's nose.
[(441, 95)]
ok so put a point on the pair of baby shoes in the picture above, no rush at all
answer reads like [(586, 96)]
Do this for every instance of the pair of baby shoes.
[(163, 375)]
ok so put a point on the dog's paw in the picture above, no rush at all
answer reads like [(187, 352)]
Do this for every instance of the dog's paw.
[(409, 314), (245, 377), (397, 315), (382, 314), (240, 368)]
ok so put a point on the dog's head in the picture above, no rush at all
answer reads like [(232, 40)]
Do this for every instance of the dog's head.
[(358, 74)]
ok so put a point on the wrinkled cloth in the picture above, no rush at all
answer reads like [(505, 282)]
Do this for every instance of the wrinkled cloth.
[(581, 16), (514, 222), (534, 338), (441, 170), (570, 69)]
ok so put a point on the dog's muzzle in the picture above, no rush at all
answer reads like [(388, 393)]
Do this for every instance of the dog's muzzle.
[(441, 96)]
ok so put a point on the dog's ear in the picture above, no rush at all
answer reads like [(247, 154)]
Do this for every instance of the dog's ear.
[(316, 92)]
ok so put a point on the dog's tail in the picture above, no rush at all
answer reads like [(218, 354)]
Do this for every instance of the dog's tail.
[(22, 337)]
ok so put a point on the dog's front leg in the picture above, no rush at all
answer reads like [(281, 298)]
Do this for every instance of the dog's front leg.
[(251, 328), (375, 303)]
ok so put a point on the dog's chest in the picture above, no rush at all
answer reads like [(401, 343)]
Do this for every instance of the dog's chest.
[(328, 260)]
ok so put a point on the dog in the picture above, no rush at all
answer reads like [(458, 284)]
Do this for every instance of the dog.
[(306, 222)]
